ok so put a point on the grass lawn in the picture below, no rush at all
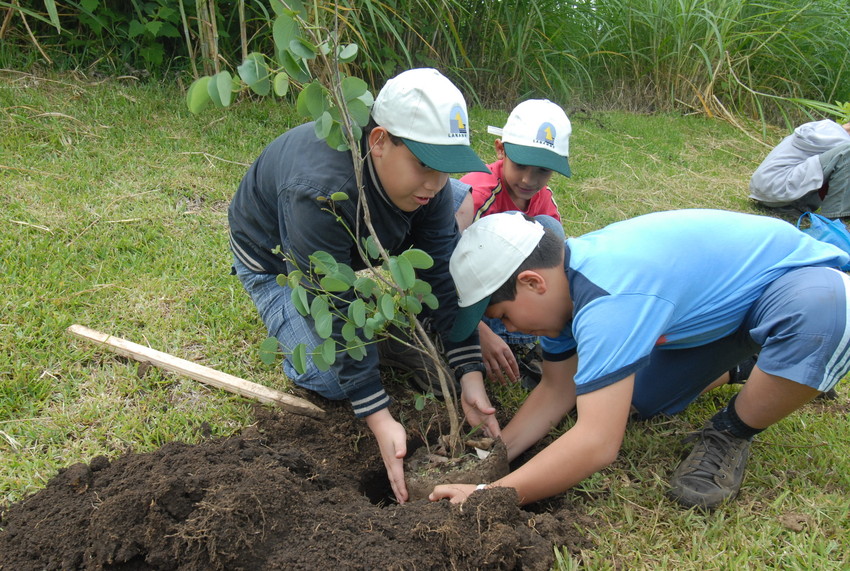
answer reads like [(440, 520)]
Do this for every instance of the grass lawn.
[(113, 216)]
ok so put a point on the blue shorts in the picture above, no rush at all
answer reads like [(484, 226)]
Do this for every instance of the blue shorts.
[(800, 328)]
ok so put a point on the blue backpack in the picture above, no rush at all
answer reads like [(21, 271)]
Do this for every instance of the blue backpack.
[(830, 231)]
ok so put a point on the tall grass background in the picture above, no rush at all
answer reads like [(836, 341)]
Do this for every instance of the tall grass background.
[(743, 60)]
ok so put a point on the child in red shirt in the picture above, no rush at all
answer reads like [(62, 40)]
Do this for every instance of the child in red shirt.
[(534, 144)]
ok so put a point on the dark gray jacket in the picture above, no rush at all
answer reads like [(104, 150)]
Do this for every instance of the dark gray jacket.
[(278, 204)]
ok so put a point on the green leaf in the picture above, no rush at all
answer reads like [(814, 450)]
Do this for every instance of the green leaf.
[(53, 14), (357, 312), (198, 97), (419, 402), (347, 53), (334, 284), (328, 350), (281, 84), (312, 101), (359, 113), (353, 87), (324, 325), (338, 196), (367, 98), (299, 358), (365, 286), (387, 306), (284, 30), (255, 74), (268, 350), (295, 67), (430, 300), (419, 259), (299, 300), (349, 331), (412, 305), (220, 88), (320, 362), (358, 351), (325, 355), (323, 263), (402, 272), (319, 306), (294, 278), (335, 139), (323, 125), (371, 248), (303, 49), (421, 287)]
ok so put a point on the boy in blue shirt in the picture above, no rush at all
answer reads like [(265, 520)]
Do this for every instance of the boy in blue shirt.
[(641, 317)]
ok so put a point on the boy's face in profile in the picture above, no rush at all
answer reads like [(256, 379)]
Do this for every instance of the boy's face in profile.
[(521, 181), (409, 184), (540, 307)]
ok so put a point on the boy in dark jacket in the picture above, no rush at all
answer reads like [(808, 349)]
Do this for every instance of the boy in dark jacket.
[(419, 134)]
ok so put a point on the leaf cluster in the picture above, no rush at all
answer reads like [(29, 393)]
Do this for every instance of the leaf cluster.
[(378, 305)]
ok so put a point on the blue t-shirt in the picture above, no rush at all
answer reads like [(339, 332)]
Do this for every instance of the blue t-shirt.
[(671, 280)]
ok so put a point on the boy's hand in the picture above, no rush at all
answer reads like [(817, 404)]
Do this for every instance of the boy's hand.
[(455, 493), (476, 405), (392, 440), (499, 360)]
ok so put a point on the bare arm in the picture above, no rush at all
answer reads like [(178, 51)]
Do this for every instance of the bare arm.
[(544, 408), (590, 445)]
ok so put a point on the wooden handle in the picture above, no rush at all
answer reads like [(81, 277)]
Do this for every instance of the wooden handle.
[(198, 372)]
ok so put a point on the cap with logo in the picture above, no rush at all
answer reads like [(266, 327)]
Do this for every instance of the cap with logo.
[(537, 134), (487, 255), (426, 111)]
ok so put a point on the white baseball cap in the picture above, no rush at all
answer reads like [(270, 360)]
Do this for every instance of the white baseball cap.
[(426, 111), (538, 134), (487, 255)]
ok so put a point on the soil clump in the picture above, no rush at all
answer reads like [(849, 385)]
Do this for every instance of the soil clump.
[(288, 492)]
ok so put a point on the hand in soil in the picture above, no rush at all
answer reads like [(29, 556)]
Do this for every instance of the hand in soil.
[(477, 408), (392, 441), (455, 493)]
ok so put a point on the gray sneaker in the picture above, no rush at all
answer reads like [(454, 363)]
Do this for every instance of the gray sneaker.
[(421, 370), (713, 471)]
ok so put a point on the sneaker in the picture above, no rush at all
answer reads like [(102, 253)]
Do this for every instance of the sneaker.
[(530, 360), (713, 471), (420, 370)]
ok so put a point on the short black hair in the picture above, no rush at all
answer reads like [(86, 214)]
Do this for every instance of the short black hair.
[(372, 124), (547, 254)]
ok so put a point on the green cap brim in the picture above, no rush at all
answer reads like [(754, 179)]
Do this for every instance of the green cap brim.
[(536, 157), (447, 158), (467, 319)]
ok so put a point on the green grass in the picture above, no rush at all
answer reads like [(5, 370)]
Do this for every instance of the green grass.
[(113, 216)]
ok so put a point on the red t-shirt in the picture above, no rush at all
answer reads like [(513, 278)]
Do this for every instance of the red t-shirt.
[(490, 196)]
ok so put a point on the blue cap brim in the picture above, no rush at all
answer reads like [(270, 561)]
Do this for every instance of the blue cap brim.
[(467, 319)]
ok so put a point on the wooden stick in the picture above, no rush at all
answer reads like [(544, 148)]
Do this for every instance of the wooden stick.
[(199, 372)]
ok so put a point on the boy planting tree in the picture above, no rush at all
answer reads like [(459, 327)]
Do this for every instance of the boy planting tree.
[(643, 315)]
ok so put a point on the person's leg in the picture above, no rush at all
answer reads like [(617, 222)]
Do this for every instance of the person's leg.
[(802, 324), (282, 320), (836, 173)]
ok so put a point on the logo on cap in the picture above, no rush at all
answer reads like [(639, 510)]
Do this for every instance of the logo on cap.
[(457, 122), (546, 134)]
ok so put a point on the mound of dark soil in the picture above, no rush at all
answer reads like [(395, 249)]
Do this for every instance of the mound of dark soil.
[(289, 492)]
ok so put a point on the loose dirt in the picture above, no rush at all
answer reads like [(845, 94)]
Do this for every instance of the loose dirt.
[(289, 492)]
